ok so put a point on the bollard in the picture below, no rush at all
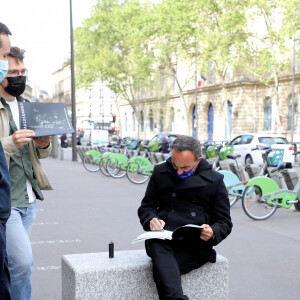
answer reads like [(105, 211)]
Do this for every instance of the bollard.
[(54, 151), (61, 153)]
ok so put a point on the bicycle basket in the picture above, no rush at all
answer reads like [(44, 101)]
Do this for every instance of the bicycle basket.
[(275, 157), (132, 145), (228, 149), (144, 142), (154, 146), (210, 151)]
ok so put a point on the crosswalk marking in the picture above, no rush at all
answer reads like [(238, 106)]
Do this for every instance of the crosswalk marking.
[(47, 268), (56, 242), (45, 223)]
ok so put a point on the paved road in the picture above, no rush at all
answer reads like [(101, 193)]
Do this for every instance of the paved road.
[(87, 210)]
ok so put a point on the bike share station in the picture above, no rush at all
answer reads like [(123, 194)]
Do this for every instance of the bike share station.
[(262, 189)]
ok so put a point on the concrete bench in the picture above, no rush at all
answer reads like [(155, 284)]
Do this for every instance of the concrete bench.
[(128, 276)]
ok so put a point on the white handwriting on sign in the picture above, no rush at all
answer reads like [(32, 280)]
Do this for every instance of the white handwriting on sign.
[(56, 242)]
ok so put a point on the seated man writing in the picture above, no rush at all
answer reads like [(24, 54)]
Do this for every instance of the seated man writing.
[(184, 190)]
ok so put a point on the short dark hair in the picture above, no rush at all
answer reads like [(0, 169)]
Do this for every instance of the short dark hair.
[(3, 30), (184, 142), (17, 53)]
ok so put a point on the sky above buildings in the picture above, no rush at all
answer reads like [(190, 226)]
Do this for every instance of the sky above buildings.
[(42, 28)]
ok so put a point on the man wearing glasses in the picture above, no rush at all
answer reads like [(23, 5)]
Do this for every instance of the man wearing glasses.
[(5, 203), (184, 190), (22, 152)]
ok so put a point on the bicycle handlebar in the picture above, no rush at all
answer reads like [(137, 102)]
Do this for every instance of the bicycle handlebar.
[(281, 166), (230, 156)]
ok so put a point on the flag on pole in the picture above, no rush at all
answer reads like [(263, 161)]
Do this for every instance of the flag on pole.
[(202, 80)]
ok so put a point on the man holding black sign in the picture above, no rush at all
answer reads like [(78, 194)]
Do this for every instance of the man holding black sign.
[(22, 152)]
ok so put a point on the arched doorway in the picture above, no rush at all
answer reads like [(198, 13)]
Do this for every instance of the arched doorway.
[(194, 123), (229, 107), (210, 122)]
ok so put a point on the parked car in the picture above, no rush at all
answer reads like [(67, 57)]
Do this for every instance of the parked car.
[(164, 141), (242, 144)]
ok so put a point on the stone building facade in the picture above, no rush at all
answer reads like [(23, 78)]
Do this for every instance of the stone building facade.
[(251, 108), (94, 106)]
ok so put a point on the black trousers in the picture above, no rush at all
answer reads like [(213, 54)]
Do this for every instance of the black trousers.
[(171, 259), (4, 273)]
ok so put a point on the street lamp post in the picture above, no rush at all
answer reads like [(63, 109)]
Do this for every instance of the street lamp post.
[(90, 123), (196, 85), (293, 93), (74, 140)]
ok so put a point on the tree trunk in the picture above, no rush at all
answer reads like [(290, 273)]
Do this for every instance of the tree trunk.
[(184, 103), (277, 105)]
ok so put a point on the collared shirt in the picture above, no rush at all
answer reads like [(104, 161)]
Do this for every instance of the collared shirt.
[(24, 187)]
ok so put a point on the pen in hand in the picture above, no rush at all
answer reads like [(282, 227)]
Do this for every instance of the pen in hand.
[(156, 224), (162, 228)]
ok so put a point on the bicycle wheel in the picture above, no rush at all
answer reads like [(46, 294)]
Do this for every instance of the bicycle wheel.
[(233, 199), (254, 207), (134, 174), (113, 168), (90, 164), (297, 205), (102, 167)]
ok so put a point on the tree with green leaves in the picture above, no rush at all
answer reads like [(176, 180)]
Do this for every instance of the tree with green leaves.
[(198, 33), (270, 46), (173, 38), (223, 42), (110, 45)]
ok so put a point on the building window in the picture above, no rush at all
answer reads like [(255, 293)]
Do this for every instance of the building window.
[(161, 120), (101, 93), (112, 94), (125, 121), (133, 122), (268, 114), (90, 93), (142, 121), (172, 118), (174, 83), (111, 109), (151, 121), (162, 84), (212, 73), (289, 117), (152, 86), (136, 93), (101, 109), (143, 93), (230, 74)]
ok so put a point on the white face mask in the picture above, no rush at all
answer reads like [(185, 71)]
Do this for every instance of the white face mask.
[(3, 69)]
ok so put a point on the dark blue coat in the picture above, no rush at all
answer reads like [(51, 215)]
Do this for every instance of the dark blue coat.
[(5, 201), (198, 199)]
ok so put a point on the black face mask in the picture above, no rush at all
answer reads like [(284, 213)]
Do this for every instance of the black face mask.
[(16, 85)]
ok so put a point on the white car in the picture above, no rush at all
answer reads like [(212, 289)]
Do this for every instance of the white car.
[(243, 144)]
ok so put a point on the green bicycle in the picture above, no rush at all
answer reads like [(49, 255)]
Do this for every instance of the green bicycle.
[(140, 168), (92, 159), (263, 195)]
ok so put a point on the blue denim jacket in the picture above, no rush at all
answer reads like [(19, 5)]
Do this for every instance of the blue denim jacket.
[(5, 200)]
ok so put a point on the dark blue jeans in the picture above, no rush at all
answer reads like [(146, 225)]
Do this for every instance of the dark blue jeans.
[(4, 273)]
